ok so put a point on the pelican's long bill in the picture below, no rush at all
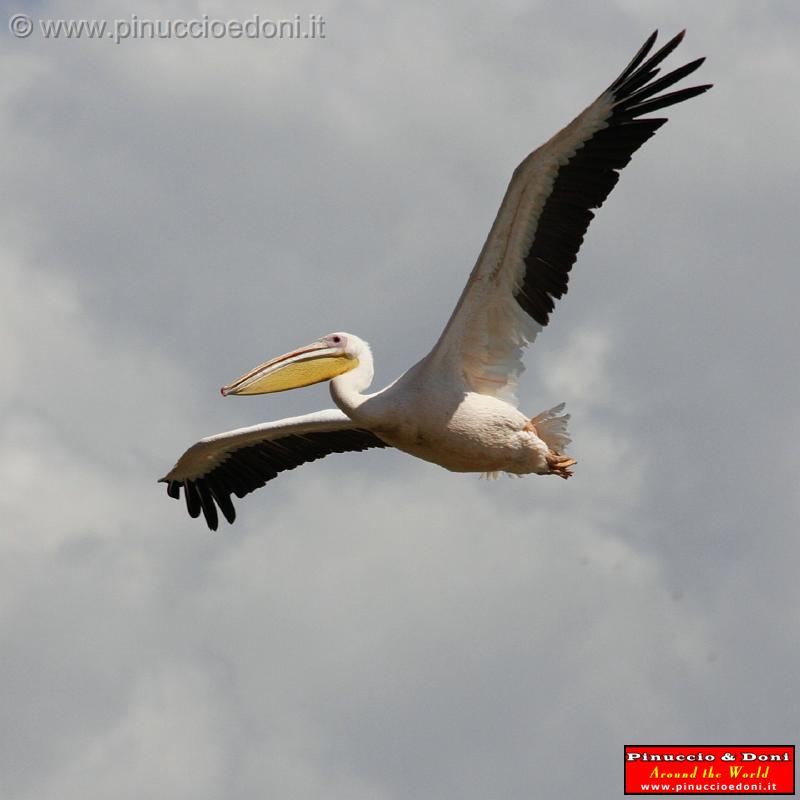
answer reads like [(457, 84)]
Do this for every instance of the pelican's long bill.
[(311, 364)]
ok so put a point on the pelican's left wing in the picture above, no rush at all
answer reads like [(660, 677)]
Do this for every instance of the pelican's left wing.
[(544, 215), (241, 461)]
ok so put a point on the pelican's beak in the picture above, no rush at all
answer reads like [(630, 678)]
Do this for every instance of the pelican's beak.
[(311, 364)]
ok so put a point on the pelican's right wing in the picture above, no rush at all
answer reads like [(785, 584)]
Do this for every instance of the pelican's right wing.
[(527, 257), (241, 461)]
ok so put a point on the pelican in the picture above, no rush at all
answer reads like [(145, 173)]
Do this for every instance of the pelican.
[(456, 407)]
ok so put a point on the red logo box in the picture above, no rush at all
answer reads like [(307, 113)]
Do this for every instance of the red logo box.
[(709, 769)]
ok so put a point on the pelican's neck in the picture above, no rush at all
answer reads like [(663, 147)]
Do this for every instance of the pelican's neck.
[(347, 389)]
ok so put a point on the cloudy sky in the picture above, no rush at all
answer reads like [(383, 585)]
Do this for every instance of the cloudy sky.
[(373, 627)]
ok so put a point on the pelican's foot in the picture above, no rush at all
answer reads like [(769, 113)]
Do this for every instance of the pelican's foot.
[(560, 464)]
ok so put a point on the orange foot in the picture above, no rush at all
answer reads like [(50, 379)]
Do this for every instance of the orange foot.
[(560, 464)]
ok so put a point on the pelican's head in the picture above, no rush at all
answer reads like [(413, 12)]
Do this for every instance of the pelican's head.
[(322, 360)]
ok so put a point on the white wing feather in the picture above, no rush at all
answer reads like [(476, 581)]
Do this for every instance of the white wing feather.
[(486, 334), (203, 456)]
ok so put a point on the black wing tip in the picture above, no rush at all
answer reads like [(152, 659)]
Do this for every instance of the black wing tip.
[(635, 75), (173, 486), (229, 512), (670, 45), (693, 65), (638, 91), (201, 499), (635, 111), (661, 54), (634, 63)]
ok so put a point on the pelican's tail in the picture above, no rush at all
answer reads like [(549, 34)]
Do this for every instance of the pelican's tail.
[(551, 428)]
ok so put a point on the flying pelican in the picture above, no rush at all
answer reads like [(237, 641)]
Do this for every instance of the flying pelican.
[(456, 407)]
